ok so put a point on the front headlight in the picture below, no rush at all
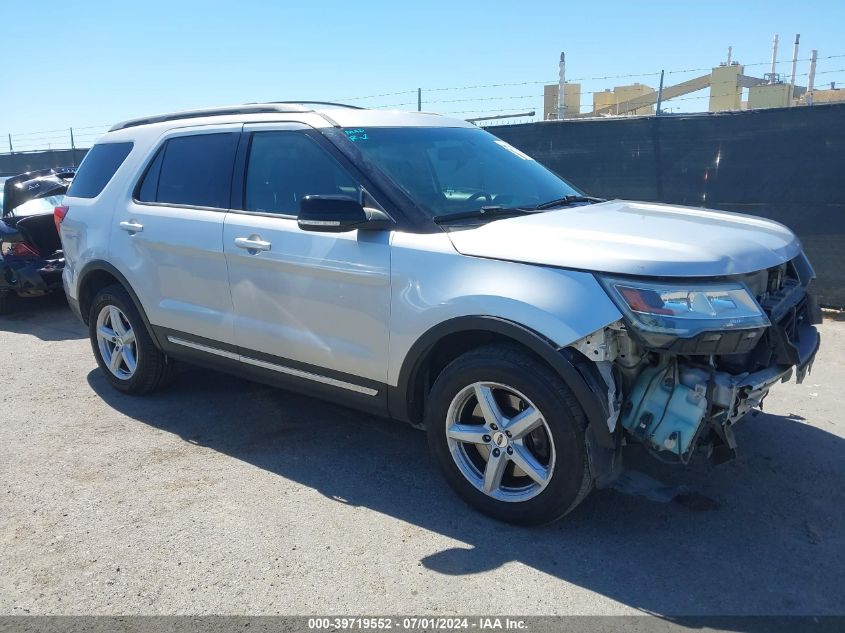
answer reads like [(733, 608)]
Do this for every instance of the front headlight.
[(685, 309)]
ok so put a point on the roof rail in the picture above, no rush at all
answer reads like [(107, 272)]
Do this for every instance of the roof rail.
[(247, 108), (323, 103)]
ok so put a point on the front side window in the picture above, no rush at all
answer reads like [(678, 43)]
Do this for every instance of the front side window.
[(453, 170), (284, 167), (192, 170), (97, 168)]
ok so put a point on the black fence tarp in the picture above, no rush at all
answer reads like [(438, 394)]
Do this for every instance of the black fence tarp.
[(785, 164), (16, 163)]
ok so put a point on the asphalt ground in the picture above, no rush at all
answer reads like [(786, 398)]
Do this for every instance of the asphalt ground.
[(220, 496)]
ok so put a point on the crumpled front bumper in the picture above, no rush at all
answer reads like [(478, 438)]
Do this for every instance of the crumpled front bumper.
[(673, 403), (741, 393)]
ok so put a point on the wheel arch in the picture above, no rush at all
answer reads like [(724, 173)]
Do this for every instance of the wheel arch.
[(449, 339), (99, 274)]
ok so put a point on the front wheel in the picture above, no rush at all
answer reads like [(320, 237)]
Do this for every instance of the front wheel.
[(509, 436), (124, 349)]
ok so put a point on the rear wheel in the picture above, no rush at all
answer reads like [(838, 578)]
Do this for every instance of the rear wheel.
[(122, 345), (509, 436)]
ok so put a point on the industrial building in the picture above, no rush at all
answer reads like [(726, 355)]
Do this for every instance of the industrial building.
[(726, 82)]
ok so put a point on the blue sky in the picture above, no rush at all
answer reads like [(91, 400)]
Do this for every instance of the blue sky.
[(100, 62)]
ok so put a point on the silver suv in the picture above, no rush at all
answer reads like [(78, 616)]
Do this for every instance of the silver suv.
[(417, 267)]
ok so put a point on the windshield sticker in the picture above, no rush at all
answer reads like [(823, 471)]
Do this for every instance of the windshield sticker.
[(356, 135), (514, 151)]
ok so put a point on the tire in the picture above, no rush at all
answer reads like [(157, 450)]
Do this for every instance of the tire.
[(517, 381), (150, 367), (5, 302)]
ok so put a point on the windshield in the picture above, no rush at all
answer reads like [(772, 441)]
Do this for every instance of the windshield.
[(455, 170), (37, 206)]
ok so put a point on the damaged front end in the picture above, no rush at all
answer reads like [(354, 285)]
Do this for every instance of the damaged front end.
[(690, 359)]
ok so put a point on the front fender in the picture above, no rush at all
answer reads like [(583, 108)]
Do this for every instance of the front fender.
[(438, 292), (433, 284)]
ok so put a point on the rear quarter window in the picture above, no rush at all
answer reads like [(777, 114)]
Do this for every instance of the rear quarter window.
[(193, 170), (97, 168)]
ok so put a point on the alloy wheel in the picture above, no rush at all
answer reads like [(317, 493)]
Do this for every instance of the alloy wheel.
[(500, 441), (116, 342)]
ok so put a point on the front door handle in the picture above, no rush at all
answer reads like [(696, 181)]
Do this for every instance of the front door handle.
[(132, 226), (253, 244)]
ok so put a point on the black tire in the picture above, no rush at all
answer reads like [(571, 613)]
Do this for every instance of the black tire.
[(153, 368), (510, 365), (5, 302)]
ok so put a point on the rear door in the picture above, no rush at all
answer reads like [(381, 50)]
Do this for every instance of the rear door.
[(305, 302), (168, 238)]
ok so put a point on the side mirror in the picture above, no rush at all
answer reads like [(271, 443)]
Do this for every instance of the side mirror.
[(334, 214)]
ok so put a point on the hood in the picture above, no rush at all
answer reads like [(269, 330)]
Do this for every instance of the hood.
[(41, 183), (634, 238)]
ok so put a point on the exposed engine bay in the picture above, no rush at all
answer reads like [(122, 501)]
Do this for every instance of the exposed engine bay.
[(680, 394)]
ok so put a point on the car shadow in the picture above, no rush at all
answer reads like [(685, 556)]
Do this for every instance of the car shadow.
[(773, 546), (48, 318)]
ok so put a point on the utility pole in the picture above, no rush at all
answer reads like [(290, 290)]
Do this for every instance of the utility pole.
[(11, 149), (419, 99), (657, 111), (72, 149)]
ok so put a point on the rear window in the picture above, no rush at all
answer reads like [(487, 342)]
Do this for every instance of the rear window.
[(38, 206), (97, 168), (192, 170)]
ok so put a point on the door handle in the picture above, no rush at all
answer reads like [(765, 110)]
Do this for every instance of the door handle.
[(253, 244), (132, 226)]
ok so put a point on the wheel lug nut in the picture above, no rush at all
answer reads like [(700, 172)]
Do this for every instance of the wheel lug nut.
[(486, 438), (508, 433), (496, 452), (510, 450), (494, 427)]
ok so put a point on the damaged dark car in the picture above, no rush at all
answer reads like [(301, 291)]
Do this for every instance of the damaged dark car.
[(31, 257)]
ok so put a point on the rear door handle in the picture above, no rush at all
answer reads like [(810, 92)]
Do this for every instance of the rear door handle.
[(253, 244), (132, 226)]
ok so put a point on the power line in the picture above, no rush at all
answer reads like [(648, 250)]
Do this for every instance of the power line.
[(63, 133), (386, 94)]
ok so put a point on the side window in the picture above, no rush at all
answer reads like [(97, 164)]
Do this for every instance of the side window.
[(148, 190), (192, 170), (97, 168), (283, 167)]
